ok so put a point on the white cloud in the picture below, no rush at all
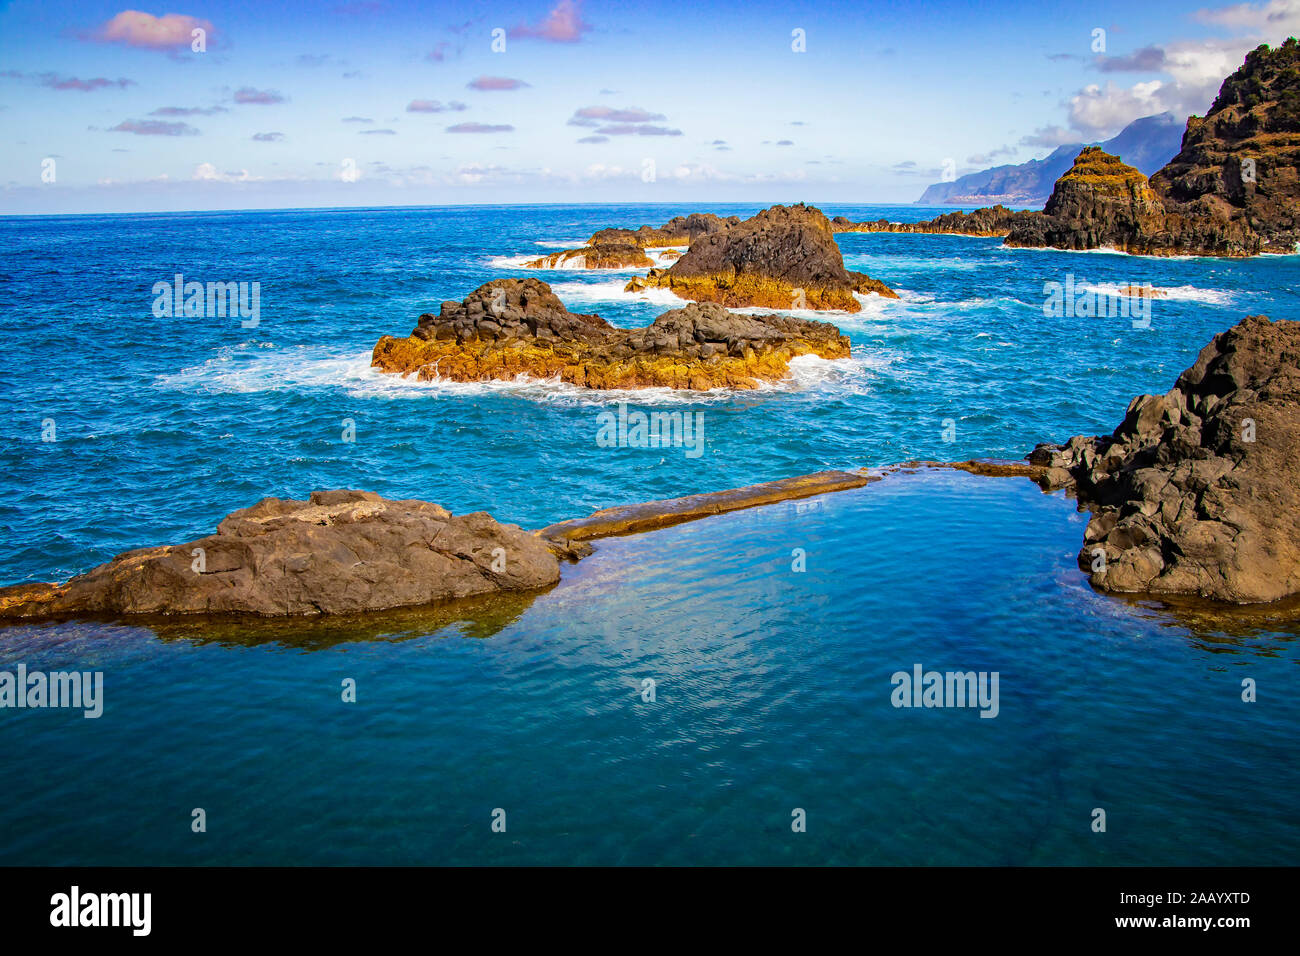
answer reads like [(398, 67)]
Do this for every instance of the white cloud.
[(206, 172), (1195, 69), (1098, 112)]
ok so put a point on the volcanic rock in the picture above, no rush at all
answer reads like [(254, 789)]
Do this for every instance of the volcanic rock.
[(625, 248), (515, 327), (605, 255), (1232, 190), (1104, 203), (783, 257), (340, 552), (678, 231), (1241, 162), (990, 221), (1197, 491)]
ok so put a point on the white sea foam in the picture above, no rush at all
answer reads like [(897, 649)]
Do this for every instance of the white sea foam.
[(511, 262), (612, 291), (574, 264), (656, 254), (560, 243), (240, 370), (579, 263), (1180, 293), (1103, 250), (853, 375)]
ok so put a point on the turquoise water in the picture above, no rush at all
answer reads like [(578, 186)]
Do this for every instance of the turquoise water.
[(773, 687)]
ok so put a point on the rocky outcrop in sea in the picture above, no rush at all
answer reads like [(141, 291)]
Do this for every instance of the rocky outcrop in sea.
[(605, 255), (783, 257), (990, 221), (1197, 491), (339, 552), (515, 327), (626, 248), (678, 231), (1103, 203)]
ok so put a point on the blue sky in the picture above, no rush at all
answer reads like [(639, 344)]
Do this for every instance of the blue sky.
[(376, 102)]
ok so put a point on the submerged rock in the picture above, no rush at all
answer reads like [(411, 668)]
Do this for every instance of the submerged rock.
[(340, 552), (515, 327), (783, 257), (652, 515), (1197, 491)]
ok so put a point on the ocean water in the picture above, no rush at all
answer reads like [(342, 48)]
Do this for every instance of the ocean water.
[(772, 686)]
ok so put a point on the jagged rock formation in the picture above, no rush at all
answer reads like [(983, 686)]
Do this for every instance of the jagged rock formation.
[(1241, 163), (1103, 203), (991, 221), (1198, 491), (1233, 189), (1147, 144), (518, 327), (783, 257), (340, 552), (678, 231)]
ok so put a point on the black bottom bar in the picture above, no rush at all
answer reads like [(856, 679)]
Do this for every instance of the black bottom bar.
[(337, 905)]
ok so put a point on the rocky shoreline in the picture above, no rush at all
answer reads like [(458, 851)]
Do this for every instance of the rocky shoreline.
[(1102, 203), (1232, 191), (1195, 492), (1193, 495), (349, 555)]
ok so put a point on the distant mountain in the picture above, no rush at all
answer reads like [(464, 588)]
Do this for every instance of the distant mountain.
[(1147, 143)]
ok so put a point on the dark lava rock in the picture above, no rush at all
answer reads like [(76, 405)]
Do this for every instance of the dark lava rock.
[(1104, 203), (1241, 162), (989, 221), (678, 231), (783, 257), (1198, 491)]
